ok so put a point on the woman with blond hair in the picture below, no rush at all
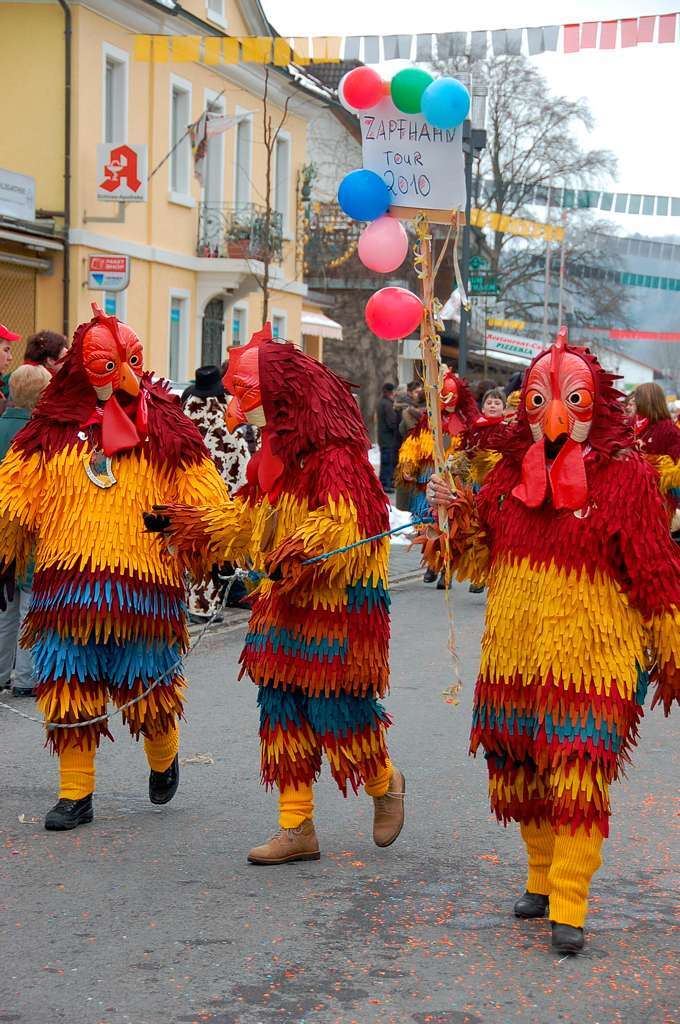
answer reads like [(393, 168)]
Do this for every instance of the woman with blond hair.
[(26, 385)]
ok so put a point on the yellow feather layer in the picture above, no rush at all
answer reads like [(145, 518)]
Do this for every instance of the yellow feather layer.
[(668, 470), (75, 523), (545, 620)]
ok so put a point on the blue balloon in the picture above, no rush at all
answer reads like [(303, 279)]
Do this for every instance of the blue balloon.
[(363, 195), (445, 103)]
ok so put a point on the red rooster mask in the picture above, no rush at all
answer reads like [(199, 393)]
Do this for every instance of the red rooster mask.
[(450, 401), (113, 362), (242, 381), (559, 399)]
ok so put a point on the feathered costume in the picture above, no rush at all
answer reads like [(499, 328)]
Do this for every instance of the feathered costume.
[(317, 643), (570, 535), (108, 609), (660, 444), (416, 454)]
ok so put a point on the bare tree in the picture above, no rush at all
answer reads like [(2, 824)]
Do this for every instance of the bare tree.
[(532, 143), (270, 135)]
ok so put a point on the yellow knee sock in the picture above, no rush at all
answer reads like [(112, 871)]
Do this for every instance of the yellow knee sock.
[(576, 858), (295, 805), (161, 750), (377, 786), (76, 772), (540, 842)]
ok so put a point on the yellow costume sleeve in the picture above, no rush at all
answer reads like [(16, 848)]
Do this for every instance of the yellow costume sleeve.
[(205, 535), (332, 527), (417, 450), (21, 487), (201, 484), (668, 470)]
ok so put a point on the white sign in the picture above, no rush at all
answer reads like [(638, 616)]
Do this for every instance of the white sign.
[(17, 195), (514, 345), (121, 173), (422, 166), (108, 273)]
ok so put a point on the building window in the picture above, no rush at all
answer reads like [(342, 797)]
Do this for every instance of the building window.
[(279, 326), (178, 326), (215, 11), (282, 181), (238, 325), (244, 146), (180, 144), (115, 96)]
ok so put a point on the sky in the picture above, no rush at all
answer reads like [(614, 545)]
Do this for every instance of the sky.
[(632, 93)]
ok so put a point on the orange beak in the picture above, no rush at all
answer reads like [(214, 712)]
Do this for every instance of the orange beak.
[(128, 381), (234, 415), (556, 420)]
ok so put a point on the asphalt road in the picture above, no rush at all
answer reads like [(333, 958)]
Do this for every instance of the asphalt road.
[(152, 915)]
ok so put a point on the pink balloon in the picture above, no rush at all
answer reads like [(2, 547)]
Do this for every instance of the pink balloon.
[(383, 245), (393, 313), (362, 88)]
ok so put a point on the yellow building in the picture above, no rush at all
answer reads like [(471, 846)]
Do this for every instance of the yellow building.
[(195, 250)]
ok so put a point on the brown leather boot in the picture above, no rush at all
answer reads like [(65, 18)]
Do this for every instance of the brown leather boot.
[(287, 845), (388, 811)]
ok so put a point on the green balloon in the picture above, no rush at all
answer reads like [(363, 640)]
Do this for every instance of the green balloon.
[(407, 87)]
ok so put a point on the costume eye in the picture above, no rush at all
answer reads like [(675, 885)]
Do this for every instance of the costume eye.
[(535, 400), (110, 366), (134, 360), (580, 398)]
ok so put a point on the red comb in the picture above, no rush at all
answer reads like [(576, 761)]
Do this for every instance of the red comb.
[(112, 323)]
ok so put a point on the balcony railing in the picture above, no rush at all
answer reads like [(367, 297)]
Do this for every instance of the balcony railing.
[(231, 231), (331, 260)]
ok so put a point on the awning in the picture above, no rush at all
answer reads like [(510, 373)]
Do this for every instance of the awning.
[(320, 326)]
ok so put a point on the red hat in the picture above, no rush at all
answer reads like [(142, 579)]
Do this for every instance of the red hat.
[(6, 335)]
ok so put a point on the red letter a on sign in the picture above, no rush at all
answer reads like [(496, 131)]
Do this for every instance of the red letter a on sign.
[(122, 164)]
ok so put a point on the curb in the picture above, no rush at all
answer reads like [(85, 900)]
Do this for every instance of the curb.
[(230, 627)]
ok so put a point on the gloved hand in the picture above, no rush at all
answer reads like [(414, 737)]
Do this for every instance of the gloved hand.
[(7, 584), (156, 521)]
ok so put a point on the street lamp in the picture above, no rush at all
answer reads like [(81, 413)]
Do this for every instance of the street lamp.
[(474, 141)]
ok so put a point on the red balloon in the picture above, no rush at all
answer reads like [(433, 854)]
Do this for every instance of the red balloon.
[(363, 88), (393, 313)]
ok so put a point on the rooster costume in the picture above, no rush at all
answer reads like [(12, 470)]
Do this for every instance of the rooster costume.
[(107, 616), (416, 455), (570, 534), (317, 643)]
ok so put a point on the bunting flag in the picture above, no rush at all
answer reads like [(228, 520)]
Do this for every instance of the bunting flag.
[(619, 335), (516, 225), (619, 277), (506, 325), (588, 199), (572, 38)]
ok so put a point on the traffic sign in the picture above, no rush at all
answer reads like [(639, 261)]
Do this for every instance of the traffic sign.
[(108, 273), (483, 284), (479, 263)]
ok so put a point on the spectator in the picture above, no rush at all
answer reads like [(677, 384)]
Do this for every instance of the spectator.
[(6, 339), (204, 402), (25, 387), (413, 408), (493, 404), (388, 437), (45, 348)]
